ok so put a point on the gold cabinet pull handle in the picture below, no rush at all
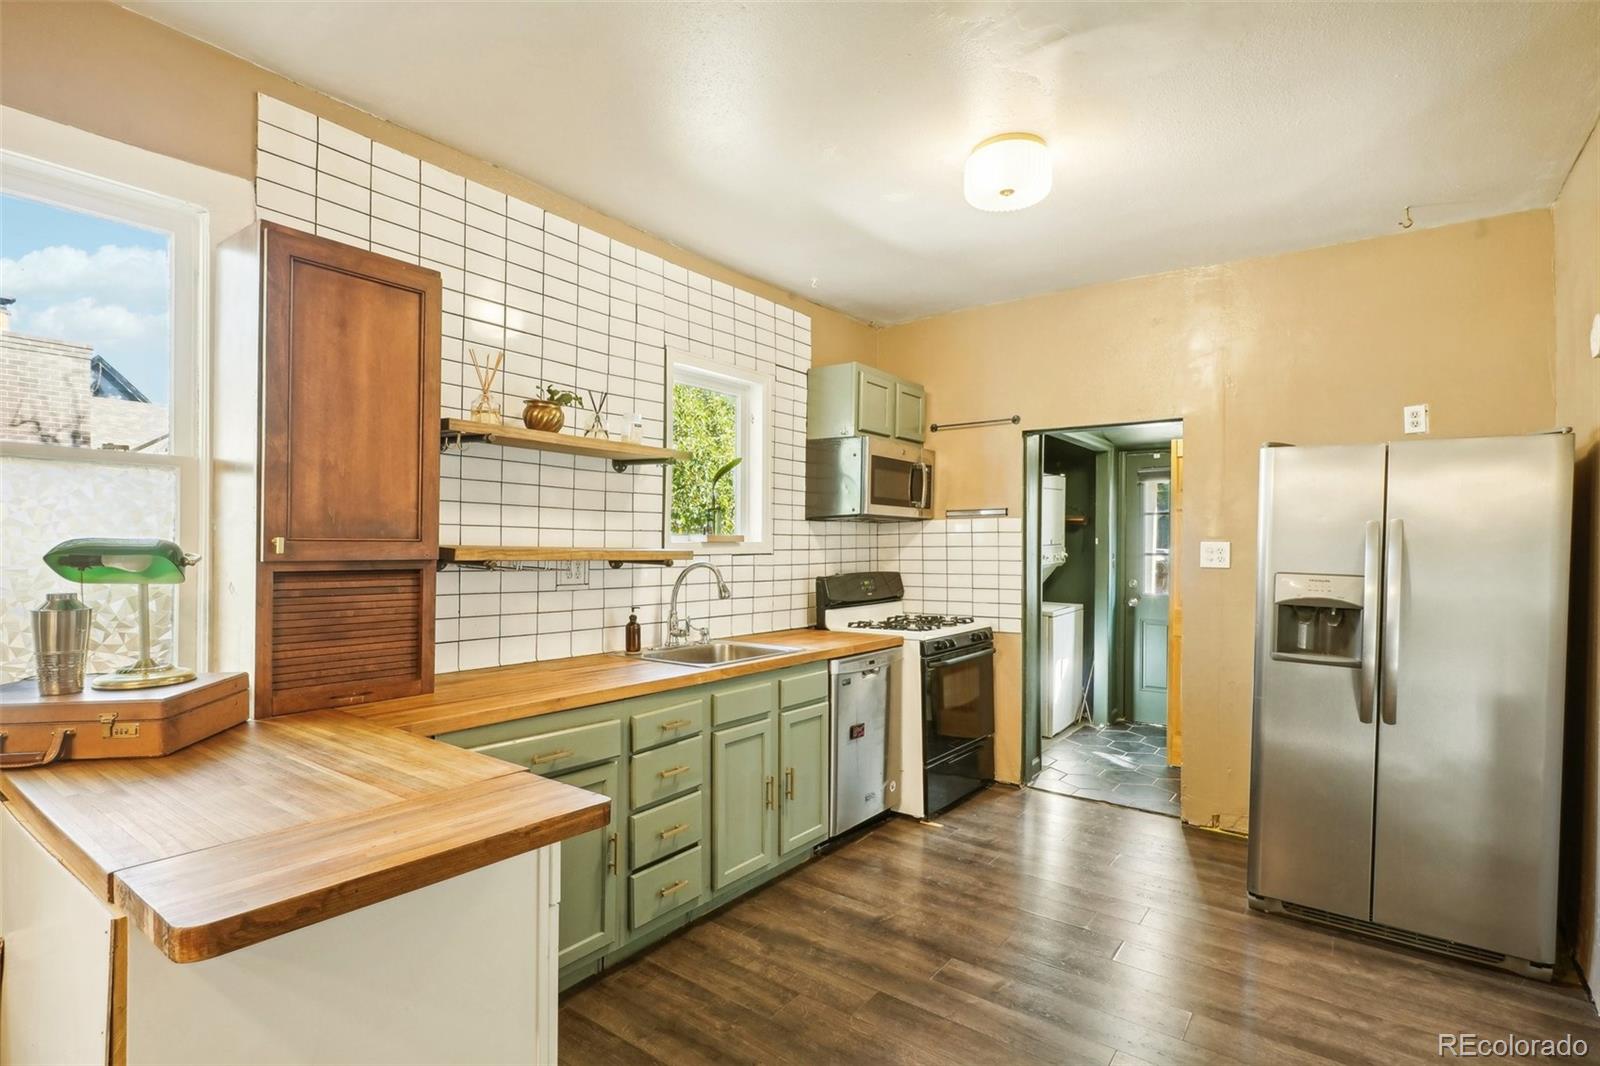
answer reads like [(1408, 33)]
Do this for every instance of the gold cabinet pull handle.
[(674, 771), (673, 830), (772, 803), (552, 756), (789, 782), (277, 545), (611, 863), (677, 723), (676, 886)]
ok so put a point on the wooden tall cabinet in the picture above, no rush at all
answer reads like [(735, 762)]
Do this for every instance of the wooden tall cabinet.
[(349, 474)]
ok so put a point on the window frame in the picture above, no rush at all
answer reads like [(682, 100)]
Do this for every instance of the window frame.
[(188, 316), (753, 487)]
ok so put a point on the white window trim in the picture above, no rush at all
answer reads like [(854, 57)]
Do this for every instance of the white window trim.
[(190, 453), (755, 490)]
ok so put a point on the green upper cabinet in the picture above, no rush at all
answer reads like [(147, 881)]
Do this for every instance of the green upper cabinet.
[(874, 402), (908, 411), (744, 800), (803, 751), (847, 399), (590, 906)]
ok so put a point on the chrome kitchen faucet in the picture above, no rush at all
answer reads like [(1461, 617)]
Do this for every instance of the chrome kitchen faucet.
[(679, 628)]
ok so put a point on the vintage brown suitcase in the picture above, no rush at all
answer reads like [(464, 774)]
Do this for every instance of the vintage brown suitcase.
[(96, 724)]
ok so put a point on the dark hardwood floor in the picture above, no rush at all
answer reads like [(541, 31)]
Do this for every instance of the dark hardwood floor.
[(1033, 927)]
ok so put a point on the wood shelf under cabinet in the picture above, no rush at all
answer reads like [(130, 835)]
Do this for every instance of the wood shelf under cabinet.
[(621, 453), (489, 555)]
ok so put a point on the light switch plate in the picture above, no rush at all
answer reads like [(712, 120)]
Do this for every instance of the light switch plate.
[(1214, 554), (1416, 418)]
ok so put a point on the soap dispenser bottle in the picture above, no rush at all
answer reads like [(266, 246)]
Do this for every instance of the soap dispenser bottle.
[(630, 633)]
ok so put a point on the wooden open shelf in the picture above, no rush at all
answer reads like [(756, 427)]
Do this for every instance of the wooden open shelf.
[(621, 453), (486, 555)]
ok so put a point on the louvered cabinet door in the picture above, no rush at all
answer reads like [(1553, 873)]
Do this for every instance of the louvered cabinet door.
[(349, 475), (338, 635)]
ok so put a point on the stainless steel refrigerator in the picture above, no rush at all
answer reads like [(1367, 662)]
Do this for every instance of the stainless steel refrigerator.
[(1411, 632)]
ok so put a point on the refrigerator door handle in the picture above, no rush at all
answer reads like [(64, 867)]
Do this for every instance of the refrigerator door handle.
[(1371, 597), (1393, 581)]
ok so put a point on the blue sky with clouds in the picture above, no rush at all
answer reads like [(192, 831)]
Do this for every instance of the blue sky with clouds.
[(90, 280)]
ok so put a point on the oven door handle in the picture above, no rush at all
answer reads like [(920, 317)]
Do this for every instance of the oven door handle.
[(966, 658)]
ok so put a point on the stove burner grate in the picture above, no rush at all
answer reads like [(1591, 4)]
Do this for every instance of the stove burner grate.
[(915, 623)]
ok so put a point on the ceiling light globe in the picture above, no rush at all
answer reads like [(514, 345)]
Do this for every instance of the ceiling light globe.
[(1008, 172)]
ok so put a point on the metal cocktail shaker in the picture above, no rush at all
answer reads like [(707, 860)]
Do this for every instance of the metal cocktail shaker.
[(61, 643)]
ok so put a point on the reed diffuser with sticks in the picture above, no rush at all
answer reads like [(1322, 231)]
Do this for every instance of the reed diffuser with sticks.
[(486, 408)]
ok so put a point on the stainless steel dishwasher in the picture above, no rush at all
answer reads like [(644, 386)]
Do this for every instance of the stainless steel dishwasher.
[(860, 729)]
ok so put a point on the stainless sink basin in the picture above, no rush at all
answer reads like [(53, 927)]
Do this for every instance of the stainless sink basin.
[(716, 653)]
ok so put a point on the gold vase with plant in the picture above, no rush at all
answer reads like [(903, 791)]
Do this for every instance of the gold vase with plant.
[(546, 413)]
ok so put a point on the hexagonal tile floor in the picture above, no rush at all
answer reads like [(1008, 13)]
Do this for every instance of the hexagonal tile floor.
[(1125, 764)]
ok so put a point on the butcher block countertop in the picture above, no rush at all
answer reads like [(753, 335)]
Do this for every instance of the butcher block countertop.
[(278, 824), (275, 825), (505, 693)]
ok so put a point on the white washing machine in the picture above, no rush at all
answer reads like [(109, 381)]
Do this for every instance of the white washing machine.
[(1062, 666)]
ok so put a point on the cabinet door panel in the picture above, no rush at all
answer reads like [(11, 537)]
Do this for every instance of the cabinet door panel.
[(908, 411), (875, 402), (743, 801), (350, 449), (803, 750), (589, 903)]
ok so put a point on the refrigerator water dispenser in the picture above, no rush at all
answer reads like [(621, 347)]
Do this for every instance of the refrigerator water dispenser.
[(1318, 619)]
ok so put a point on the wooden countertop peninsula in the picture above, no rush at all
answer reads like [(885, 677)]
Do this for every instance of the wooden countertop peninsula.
[(502, 694), (278, 824)]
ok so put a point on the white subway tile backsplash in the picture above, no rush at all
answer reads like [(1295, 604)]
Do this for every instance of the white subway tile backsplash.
[(340, 165), (572, 307), (286, 117), (395, 161), (347, 141), (405, 190), (282, 143), (444, 181), (285, 201), (286, 172)]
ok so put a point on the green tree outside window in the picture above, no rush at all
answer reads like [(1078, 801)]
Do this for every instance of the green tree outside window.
[(705, 426)]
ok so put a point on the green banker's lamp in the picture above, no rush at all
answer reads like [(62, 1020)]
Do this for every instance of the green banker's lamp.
[(110, 561)]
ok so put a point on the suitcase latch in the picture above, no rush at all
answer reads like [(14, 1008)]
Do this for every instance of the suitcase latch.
[(110, 729)]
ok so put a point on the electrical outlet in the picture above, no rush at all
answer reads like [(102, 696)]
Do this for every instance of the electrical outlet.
[(1214, 554), (1416, 418)]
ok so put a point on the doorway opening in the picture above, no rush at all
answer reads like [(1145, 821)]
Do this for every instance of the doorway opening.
[(1102, 613)]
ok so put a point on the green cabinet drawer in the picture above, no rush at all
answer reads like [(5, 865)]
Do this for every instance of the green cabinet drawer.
[(743, 699), (664, 830), (799, 689), (666, 886), (682, 718), (666, 772), (562, 750)]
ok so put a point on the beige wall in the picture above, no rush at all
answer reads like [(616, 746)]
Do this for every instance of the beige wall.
[(1577, 301), (104, 69), (1312, 347)]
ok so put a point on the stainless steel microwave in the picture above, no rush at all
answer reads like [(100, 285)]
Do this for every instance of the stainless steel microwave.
[(868, 478)]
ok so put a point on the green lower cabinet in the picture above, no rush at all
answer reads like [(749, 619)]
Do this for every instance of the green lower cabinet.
[(590, 908), (664, 887), (744, 787), (803, 751)]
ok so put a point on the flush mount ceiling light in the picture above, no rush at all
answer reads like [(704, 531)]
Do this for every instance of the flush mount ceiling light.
[(1008, 172)]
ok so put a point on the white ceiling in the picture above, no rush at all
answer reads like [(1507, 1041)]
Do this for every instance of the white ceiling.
[(819, 146)]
